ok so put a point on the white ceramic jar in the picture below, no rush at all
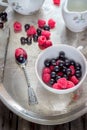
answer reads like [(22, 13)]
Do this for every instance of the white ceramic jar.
[(75, 14), (24, 7)]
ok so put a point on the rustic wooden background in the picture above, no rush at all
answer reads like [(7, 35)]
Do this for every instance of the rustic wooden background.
[(10, 121)]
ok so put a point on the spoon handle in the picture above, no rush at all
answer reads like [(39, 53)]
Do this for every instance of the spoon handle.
[(31, 93)]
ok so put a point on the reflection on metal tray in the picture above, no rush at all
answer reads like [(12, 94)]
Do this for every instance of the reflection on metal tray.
[(52, 108)]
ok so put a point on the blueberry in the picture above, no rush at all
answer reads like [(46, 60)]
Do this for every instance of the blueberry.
[(52, 81), (39, 31), (27, 26), (77, 66), (22, 39), (61, 64), (4, 16), (57, 77), (64, 69), (46, 27), (67, 62), (62, 55), (29, 40), (53, 62), (68, 71), (47, 63), (1, 25), (72, 62), (56, 68), (21, 59), (65, 76), (78, 73), (35, 38), (53, 74)]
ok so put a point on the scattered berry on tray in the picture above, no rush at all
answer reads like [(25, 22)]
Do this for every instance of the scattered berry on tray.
[(31, 31), (56, 2), (62, 72), (3, 19), (51, 23), (41, 23), (41, 34), (39, 31), (22, 39), (29, 40), (17, 26), (46, 34), (46, 27), (27, 26), (35, 37)]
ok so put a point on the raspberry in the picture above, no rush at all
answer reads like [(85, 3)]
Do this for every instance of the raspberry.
[(31, 31), (72, 69), (51, 23), (74, 80), (60, 73), (56, 2), (70, 84), (51, 67), (48, 43), (62, 82), (17, 26), (41, 23), (46, 34), (46, 78), (46, 70), (56, 86), (41, 40), (19, 52)]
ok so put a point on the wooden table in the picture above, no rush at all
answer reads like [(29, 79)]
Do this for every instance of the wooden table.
[(9, 120)]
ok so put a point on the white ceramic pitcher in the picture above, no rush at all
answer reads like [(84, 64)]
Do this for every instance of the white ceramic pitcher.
[(75, 14), (24, 7)]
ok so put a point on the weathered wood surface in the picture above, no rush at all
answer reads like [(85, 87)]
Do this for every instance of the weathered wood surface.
[(10, 121)]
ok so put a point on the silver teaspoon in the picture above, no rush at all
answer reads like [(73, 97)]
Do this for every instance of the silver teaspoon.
[(21, 59)]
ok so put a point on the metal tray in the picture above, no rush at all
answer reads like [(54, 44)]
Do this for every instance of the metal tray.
[(52, 109)]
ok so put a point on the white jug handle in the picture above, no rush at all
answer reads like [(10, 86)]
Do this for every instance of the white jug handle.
[(3, 3), (79, 48)]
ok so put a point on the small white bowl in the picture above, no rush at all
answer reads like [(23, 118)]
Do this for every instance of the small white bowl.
[(52, 52)]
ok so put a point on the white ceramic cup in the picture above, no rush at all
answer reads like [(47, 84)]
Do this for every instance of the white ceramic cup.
[(24, 7), (51, 52)]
